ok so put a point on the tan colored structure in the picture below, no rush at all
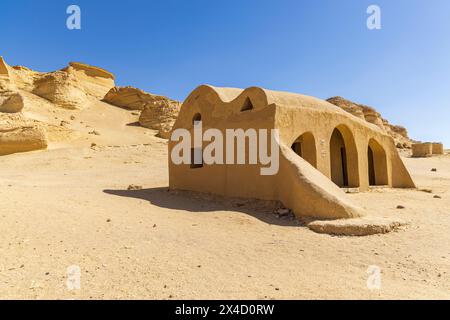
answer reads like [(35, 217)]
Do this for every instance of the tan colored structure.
[(438, 148), (322, 148), (427, 149), (422, 150)]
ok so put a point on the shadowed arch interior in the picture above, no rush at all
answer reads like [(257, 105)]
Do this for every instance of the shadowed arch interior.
[(197, 117), (377, 164), (344, 158), (305, 147)]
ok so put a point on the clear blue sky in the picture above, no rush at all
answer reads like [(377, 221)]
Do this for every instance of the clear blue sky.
[(321, 48)]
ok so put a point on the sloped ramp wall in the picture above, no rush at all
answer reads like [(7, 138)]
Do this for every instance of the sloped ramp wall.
[(308, 192)]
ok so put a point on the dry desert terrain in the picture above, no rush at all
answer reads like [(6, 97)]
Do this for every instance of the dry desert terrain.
[(97, 197), (71, 205)]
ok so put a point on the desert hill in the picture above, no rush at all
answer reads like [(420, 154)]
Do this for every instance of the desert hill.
[(370, 114), (78, 105)]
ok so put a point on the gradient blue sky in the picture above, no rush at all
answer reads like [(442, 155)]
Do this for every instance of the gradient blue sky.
[(321, 48)]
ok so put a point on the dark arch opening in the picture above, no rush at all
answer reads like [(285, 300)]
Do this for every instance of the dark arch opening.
[(343, 158), (305, 147), (377, 164), (197, 117)]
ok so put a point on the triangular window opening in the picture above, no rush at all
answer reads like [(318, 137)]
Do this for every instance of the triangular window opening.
[(248, 105)]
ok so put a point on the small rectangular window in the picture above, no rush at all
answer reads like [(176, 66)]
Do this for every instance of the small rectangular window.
[(196, 158)]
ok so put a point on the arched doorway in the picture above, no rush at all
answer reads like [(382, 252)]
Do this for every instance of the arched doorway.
[(344, 158), (377, 164), (305, 147)]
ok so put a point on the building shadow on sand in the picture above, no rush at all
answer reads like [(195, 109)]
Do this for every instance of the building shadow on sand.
[(194, 202)]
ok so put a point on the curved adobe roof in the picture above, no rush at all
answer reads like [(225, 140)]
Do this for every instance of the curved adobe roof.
[(279, 98)]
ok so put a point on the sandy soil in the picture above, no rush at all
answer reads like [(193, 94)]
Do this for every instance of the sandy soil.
[(70, 206)]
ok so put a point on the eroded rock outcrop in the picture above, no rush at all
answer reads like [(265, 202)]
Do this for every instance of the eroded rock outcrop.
[(161, 116), (11, 102), (130, 98), (61, 88), (18, 134), (398, 133), (95, 81), (158, 112)]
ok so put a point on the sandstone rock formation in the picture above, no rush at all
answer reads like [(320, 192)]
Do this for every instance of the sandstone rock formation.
[(4, 72), (161, 116), (61, 88), (131, 98), (69, 88), (37, 108), (23, 77), (94, 80), (17, 134), (11, 103), (399, 133), (158, 112)]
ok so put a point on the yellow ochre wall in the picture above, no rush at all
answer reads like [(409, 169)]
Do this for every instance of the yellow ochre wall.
[(307, 190)]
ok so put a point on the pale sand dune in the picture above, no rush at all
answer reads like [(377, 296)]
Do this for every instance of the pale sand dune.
[(56, 206)]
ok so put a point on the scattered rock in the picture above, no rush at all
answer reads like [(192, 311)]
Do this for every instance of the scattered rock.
[(400, 207), (437, 197), (94, 132), (283, 212), (134, 187), (355, 227), (434, 170)]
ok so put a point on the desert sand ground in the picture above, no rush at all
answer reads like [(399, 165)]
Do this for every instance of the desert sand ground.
[(70, 205)]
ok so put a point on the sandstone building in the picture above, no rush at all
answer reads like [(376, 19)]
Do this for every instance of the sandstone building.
[(427, 149), (323, 150)]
